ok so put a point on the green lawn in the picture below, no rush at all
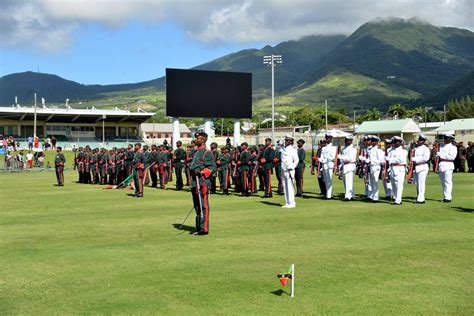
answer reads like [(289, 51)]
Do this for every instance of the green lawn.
[(82, 249)]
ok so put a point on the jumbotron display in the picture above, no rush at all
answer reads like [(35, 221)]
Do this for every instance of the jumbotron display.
[(208, 94)]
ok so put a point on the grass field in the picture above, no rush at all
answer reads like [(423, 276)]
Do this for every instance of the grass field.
[(82, 249)]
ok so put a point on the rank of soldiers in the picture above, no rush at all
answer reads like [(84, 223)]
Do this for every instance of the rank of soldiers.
[(249, 169)]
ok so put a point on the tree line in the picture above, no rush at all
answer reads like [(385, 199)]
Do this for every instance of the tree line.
[(316, 116)]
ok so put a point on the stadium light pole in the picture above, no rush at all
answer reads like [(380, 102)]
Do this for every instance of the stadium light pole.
[(34, 121), (272, 60)]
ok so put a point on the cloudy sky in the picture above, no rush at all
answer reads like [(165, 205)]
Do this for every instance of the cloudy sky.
[(119, 41)]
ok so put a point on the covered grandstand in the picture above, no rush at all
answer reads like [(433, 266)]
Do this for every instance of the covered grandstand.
[(108, 128)]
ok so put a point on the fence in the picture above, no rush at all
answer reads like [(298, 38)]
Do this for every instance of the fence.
[(15, 165)]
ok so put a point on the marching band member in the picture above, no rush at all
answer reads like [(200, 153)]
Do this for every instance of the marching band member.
[(421, 158), (348, 159), (397, 159), (446, 156), (328, 154)]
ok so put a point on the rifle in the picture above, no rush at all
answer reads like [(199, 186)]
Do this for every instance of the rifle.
[(319, 162), (366, 169), (385, 167), (336, 167), (438, 159), (412, 166), (359, 163)]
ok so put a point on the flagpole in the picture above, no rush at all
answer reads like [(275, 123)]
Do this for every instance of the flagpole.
[(293, 280)]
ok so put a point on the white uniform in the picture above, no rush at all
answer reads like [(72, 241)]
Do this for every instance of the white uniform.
[(447, 153), (397, 159), (375, 159), (387, 185), (289, 161), (421, 158), (348, 159), (328, 154)]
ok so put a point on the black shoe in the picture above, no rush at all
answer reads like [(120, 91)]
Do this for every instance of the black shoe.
[(199, 234), (417, 202), (373, 201), (446, 201), (393, 203)]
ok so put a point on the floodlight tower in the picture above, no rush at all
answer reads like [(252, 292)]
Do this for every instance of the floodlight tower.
[(273, 60)]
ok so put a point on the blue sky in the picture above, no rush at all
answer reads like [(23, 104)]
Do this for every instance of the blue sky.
[(134, 53), (126, 41)]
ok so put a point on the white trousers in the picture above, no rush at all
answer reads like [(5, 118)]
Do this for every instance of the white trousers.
[(327, 174), (397, 177), (288, 187), (387, 187), (373, 188), (349, 185), (446, 178), (420, 180)]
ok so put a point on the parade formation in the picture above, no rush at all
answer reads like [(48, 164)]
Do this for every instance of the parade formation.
[(249, 169)]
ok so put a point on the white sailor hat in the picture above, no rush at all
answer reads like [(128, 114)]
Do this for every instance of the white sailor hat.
[(397, 139), (288, 136), (388, 140), (448, 135), (374, 138), (349, 137), (422, 137)]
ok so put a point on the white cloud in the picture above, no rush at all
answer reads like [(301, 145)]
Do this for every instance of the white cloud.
[(48, 24)]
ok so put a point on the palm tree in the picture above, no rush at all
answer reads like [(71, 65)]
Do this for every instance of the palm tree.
[(417, 113), (373, 114), (397, 111)]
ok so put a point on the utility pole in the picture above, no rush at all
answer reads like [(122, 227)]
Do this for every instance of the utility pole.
[(354, 122), (272, 60), (34, 120), (326, 106)]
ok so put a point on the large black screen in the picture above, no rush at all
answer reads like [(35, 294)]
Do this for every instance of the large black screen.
[(208, 94)]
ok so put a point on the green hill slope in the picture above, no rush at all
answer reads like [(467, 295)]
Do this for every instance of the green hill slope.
[(382, 62)]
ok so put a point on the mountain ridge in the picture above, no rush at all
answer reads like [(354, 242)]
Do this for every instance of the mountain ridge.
[(381, 62)]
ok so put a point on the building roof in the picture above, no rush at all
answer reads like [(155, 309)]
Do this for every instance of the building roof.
[(457, 125), (388, 126), (162, 128), (70, 115)]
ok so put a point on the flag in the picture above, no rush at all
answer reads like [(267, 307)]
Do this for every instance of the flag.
[(289, 275), (125, 183), (285, 277)]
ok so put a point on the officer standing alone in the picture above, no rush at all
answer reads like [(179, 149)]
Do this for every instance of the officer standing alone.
[(59, 161)]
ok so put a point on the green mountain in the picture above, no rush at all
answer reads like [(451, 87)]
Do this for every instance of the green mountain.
[(382, 62), (459, 89), (300, 59)]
